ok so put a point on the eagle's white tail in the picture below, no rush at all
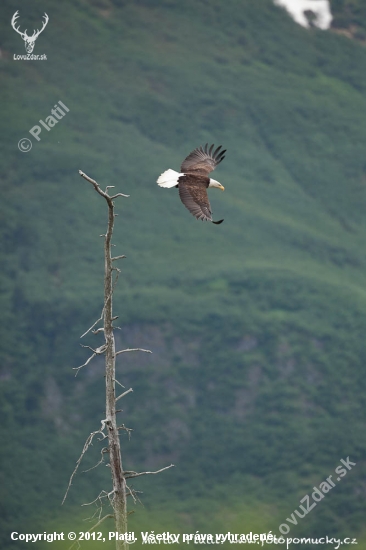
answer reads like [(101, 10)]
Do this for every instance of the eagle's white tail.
[(169, 178)]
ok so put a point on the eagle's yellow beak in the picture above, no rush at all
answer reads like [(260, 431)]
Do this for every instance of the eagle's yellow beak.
[(217, 184)]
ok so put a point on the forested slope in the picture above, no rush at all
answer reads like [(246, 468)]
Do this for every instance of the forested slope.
[(256, 385)]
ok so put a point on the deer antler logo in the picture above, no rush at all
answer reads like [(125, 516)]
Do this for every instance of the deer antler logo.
[(28, 40)]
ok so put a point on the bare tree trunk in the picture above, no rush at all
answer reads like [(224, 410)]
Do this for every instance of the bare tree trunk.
[(119, 483), (109, 429)]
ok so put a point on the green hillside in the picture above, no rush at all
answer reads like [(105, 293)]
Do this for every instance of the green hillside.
[(256, 386), (349, 16)]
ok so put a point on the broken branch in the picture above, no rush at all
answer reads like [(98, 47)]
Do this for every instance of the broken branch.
[(123, 394), (138, 474), (87, 444), (132, 349)]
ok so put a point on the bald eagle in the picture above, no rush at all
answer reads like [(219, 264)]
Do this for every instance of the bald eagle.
[(193, 180)]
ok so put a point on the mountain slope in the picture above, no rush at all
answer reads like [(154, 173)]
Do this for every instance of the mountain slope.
[(257, 325)]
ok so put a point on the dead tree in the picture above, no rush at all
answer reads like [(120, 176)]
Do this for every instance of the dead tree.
[(109, 429)]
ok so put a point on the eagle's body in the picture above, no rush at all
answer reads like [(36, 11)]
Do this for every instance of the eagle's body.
[(193, 181)]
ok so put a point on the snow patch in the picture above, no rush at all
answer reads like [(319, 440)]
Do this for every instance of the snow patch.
[(297, 9)]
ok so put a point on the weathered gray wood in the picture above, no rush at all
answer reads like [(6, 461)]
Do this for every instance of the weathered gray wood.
[(119, 498), (109, 429)]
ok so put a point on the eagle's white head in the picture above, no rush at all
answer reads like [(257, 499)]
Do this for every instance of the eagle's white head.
[(214, 183)]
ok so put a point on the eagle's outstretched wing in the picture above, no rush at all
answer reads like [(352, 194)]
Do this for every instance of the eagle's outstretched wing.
[(193, 194), (202, 161)]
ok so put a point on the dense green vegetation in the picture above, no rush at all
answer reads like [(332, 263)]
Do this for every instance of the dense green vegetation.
[(256, 386), (350, 15)]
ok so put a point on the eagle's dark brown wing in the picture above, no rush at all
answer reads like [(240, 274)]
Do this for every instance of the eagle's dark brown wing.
[(202, 160), (193, 194)]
